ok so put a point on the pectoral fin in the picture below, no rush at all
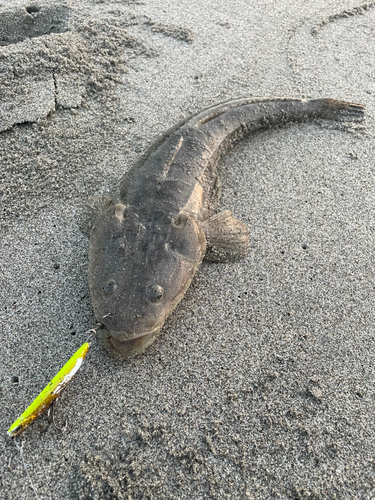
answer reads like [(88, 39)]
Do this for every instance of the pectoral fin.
[(227, 238), (91, 210)]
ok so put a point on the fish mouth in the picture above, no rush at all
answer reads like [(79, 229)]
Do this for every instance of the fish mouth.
[(131, 347)]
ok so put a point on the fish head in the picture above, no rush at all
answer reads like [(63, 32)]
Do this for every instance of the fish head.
[(138, 272)]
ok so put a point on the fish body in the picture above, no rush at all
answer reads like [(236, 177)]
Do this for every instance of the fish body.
[(146, 247)]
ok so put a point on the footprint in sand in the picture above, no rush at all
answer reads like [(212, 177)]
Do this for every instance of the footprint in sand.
[(50, 58)]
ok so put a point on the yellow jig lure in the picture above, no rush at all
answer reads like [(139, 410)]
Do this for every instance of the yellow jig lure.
[(50, 392)]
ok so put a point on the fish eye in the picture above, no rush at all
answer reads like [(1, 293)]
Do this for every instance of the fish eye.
[(155, 293), (109, 287)]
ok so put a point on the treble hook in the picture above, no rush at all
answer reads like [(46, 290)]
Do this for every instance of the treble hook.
[(95, 328)]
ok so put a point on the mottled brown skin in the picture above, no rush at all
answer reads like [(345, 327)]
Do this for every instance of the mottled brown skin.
[(146, 249)]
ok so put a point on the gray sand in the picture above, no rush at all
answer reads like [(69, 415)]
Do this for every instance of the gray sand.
[(262, 383)]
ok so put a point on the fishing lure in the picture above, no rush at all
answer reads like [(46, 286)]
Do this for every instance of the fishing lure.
[(51, 391)]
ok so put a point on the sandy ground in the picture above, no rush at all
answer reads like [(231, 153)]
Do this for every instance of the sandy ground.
[(262, 383)]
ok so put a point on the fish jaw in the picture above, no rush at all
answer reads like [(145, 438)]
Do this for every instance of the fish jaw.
[(128, 348)]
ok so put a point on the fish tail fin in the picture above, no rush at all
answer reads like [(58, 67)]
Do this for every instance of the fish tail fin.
[(332, 108)]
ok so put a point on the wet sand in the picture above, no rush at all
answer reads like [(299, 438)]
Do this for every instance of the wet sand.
[(261, 384)]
